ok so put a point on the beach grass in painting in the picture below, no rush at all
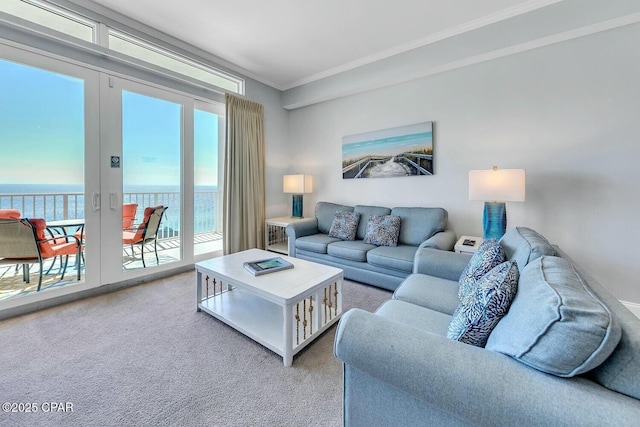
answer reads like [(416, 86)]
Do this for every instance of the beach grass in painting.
[(401, 151)]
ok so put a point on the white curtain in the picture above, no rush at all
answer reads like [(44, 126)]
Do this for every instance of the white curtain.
[(244, 188)]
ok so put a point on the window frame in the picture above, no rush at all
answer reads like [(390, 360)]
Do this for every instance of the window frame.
[(103, 27)]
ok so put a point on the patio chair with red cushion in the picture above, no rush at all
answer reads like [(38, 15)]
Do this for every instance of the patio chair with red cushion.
[(146, 232), (128, 215), (24, 242)]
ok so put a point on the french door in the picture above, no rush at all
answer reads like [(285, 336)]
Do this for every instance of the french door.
[(143, 165), (118, 142), (50, 141)]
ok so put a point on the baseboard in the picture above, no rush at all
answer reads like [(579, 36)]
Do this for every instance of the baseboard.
[(633, 307)]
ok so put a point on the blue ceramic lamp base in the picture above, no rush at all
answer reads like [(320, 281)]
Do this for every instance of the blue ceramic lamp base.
[(494, 220), (296, 207)]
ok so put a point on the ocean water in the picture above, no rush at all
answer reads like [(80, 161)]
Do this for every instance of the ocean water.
[(60, 201)]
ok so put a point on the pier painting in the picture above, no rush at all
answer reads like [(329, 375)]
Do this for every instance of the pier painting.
[(401, 151)]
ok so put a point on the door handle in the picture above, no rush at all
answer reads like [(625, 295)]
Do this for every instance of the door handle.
[(113, 201), (95, 201)]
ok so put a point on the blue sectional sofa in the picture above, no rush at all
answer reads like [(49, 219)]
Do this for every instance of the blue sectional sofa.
[(382, 266), (552, 360)]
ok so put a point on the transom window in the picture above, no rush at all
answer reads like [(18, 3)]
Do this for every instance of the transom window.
[(156, 55), (65, 21), (52, 17)]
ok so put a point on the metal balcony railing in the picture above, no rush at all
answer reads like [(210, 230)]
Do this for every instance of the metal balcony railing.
[(59, 206)]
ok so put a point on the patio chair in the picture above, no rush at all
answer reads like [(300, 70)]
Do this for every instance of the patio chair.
[(146, 232), (128, 215), (24, 242)]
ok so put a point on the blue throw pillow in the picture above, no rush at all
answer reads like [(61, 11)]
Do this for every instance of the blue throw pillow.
[(344, 225), (488, 255), (383, 230), (482, 308)]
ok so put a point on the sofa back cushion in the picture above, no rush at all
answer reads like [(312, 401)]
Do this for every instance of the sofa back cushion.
[(419, 224), (556, 324), (523, 245), (365, 213), (621, 371), (325, 212)]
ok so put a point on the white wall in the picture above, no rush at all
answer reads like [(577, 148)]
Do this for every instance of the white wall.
[(568, 113)]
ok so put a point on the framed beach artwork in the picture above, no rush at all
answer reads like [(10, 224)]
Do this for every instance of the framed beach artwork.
[(401, 151)]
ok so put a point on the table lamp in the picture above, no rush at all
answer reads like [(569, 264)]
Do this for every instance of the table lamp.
[(297, 185), (495, 187)]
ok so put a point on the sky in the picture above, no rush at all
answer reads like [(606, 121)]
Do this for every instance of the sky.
[(388, 141), (41, 126), (42, 133)]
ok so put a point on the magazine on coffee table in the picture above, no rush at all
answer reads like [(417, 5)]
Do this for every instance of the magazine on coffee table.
[(269, 265)]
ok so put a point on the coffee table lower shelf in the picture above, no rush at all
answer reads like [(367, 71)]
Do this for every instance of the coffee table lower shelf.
[(285, 330), (255, 317)]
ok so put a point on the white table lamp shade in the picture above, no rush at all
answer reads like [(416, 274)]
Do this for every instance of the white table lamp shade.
[(499, 185), (297, 184)]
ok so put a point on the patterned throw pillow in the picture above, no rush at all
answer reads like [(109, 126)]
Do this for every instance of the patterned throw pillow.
[(488, 255), (482, 308), (383, 230), (344, 225)]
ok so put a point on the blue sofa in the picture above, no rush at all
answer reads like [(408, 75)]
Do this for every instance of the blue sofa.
[(400, 369), (382, 266)]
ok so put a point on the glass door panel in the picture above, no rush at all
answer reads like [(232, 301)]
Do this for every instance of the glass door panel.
[(207, 210), (151, 180), (45, 122)]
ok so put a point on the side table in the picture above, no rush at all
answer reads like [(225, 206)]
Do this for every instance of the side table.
[(471, 247), (275, 237)]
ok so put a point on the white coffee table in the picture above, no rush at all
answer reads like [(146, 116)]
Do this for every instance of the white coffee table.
[(283, 310)]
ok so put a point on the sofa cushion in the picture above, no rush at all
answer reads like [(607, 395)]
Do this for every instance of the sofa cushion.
[(523, 245), (482, 308), (325, 212), (418, 224), (415, 316), (556, 323), (488, 255), (315, 243), (383, 230), (430, 292), (355, 250), (365, 213), (621, 371), (396, 258), (344, 225)]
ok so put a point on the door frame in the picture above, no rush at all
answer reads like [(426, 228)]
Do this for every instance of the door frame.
[(98, 125), (112, 180), (90, 77)]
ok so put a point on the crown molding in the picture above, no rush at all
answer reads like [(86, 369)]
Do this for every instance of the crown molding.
[(434, 38), (472, 60)]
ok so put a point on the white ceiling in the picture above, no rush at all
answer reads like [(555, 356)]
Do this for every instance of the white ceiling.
[(286, 43)]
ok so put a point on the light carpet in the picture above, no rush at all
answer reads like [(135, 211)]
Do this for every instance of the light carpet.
[(143, 356)]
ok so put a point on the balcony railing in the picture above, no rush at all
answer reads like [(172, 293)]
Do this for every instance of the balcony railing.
[(58, 206)]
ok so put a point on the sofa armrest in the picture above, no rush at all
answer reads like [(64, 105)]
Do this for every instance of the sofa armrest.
[(443, 264), (299, 229), (443, 240), (474, 384)]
